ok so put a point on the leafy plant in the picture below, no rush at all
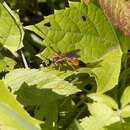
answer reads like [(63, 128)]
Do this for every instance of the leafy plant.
[(45, 85)]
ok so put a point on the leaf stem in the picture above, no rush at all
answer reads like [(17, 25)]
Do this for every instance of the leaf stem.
[(24, 60), (123, 80), (125, 70), (75, 113), (10, 12)]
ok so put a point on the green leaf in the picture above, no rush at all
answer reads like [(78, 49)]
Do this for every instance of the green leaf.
[(85, 28), (45, 87), (43, 80), (50, 115), (125, 99), (11, 32), (101, 116), (102, 98), (45, 100), (125, 112), (105, 118), (7, 128), (30, 95), (75, 126), (119, 126), (107, 73), (124, 41), (81, 32), (6, 64), (12, 113)]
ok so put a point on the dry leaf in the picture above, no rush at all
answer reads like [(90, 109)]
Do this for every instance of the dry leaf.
[(119, 13)]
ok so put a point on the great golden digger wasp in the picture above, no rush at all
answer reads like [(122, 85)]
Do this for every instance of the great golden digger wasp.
[(70, 59)]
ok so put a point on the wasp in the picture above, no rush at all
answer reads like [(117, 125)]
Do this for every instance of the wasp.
[(70, 58)]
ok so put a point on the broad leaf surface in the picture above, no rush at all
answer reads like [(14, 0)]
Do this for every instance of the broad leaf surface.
[(102, 98), (33, 96), (12, 113), (46, 88), (106, 78), (125, 99), (11, 32), (85, 28), (50, 115), (75, 126), (125, 112), (42, 80), (107, 73), (45, 100), (118, 126), (104, 117), (6, 64), (84, 31), (124, 41), (101, 116)]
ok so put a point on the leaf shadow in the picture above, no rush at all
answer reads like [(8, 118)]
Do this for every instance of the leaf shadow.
[(119, 126), (31, 95)]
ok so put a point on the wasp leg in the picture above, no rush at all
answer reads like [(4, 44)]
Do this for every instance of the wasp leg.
[(73, 68), (60, 65)]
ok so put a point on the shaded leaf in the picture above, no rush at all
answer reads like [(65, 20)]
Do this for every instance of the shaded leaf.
[(12, 113), (49, 115), (119, 126), (44, 100), (30, 95), (75, 126)]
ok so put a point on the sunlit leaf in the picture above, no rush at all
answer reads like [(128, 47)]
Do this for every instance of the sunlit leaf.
[(101, 116), (91, 32), (42, 80), (6, 64), (103, 99), (81, 32), (12, 113), (108, 71), (125, 112), (11, 32), (106, 78), (125, 99)]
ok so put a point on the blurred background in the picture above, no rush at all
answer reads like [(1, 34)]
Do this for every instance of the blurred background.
[(33, 11)]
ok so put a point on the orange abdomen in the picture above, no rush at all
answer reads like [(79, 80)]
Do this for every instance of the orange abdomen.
[(75, 62)]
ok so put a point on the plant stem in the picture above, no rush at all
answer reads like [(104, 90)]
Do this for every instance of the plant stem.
[(24, 60), (123, 80)]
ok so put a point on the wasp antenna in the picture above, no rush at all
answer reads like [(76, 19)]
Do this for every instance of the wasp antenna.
[(57, 52)]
